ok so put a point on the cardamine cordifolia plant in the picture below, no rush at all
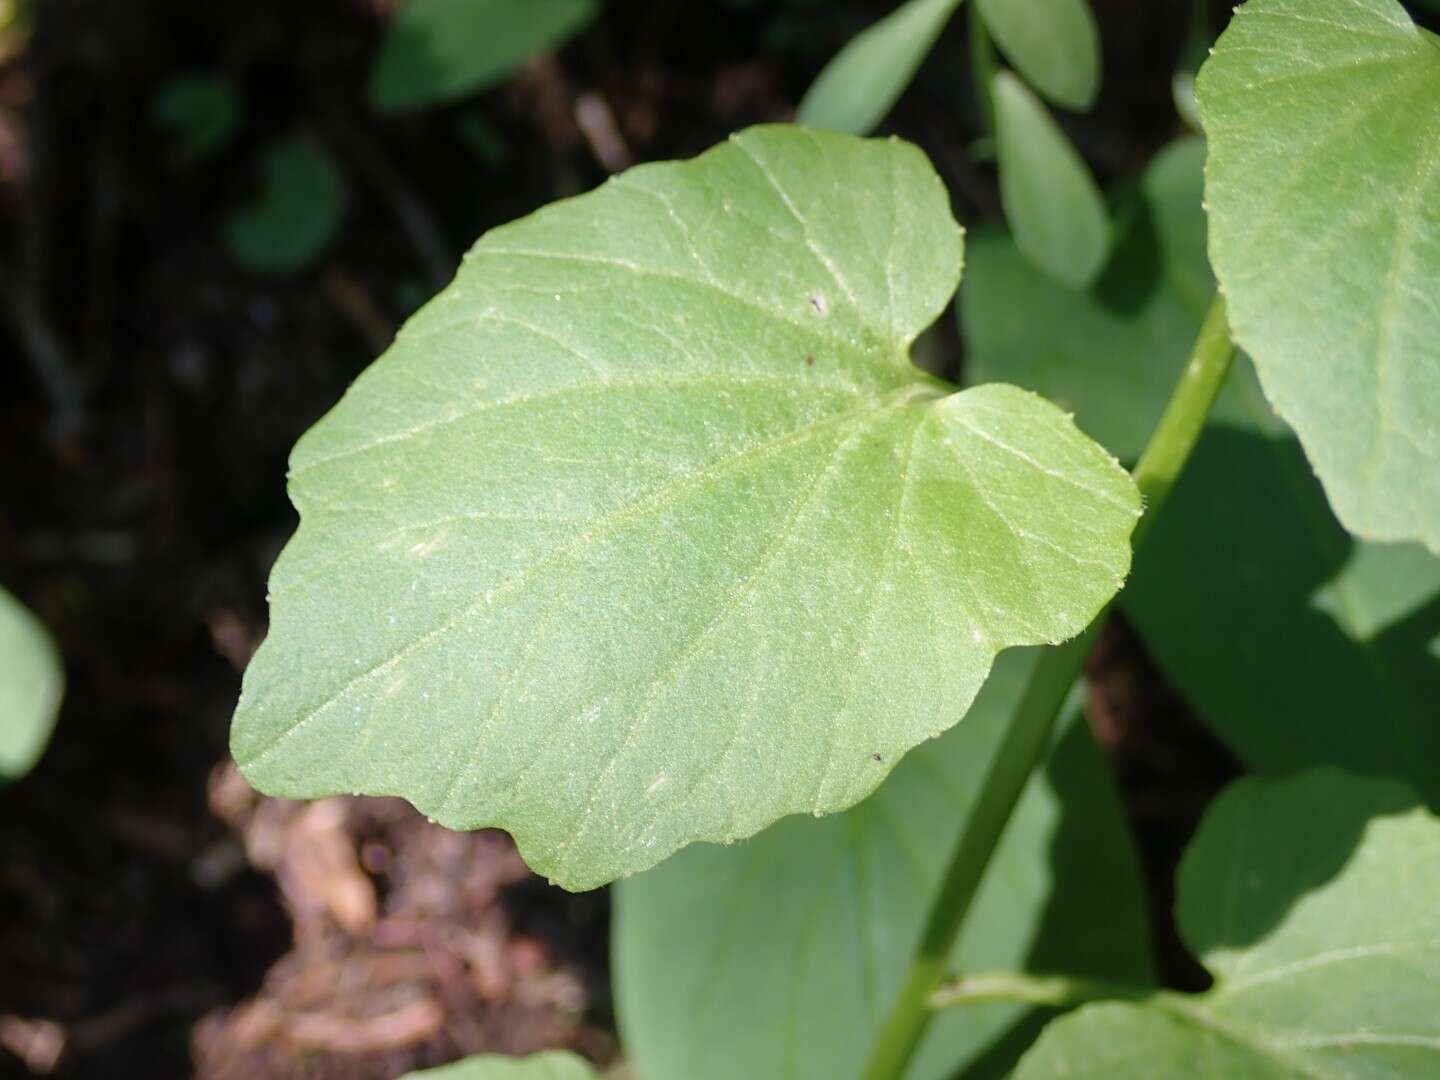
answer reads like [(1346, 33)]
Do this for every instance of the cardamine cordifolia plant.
[(647, 542)]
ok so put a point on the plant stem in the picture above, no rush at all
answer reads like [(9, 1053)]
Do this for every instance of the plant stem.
[(1054, 991), (1028, 737), (983, 65), (1179, 429)]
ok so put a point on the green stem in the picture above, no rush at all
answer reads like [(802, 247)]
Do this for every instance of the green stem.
[(1179, 429), (1028, 737), (1053, 991), (983, 66)]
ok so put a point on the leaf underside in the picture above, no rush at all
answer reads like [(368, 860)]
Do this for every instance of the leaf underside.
[(1323, 186), (645, 531), (1312, 901)]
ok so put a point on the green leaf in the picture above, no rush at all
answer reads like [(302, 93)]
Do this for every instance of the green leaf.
[(297, 214), (799, 937), (1050, 198), (31, 685), (1055, 44), (441, 50), (646, 531), (865, 79), (1324, 192), (1110, 353), (1298, 645), (551, 1065), (1312, 901), (203, 111)]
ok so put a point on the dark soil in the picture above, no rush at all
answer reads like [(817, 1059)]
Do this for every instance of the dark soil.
[(158, 919)]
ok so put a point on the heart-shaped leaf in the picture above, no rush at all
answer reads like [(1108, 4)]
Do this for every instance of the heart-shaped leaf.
[(1324, 193), (799, 937), (440, 50), (31, 685), (646, 531), (865, 79), (551, 1065), (1312, 901)]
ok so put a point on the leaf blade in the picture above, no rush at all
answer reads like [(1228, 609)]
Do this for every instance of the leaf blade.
[(1055, 44), (1050, 199), (1345, 347), (861, 84), (555, 529), (1310, 900)]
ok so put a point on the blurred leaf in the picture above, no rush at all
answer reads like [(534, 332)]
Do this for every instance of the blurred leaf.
[(1192, 55), (1054, 44), (297, 214), (1324, 195), (1050, 198), (647, 530), (799, 937), (31, 686), (202, 111), (865, 79), (1312, 901), (1110, 353), (437, 51), (550, 1065)]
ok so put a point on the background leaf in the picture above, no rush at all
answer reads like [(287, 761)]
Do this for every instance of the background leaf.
[(552, 1065), (31, 685), (646, 531), (1050, 198), (1324, 124), (1312, 902), (865, 79), (201, 110), (1054, 44), (441, 50), (297, 214), (799, 937)]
